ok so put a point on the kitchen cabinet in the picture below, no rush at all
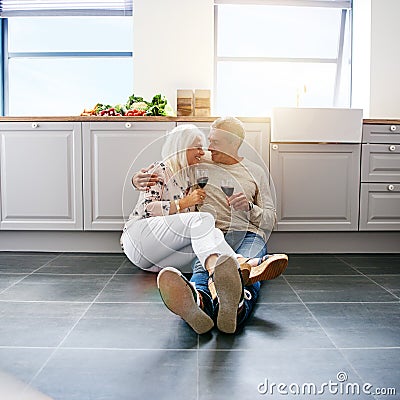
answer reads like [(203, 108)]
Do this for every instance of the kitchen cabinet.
[(41, 176), (380, 179), (112, 153), (316, 185)]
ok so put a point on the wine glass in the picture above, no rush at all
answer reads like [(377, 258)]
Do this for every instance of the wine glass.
[(202, 177), (227, 186)]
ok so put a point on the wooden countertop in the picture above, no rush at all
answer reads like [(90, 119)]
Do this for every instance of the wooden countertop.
[(160, 119), (122, 119), (381, 121)]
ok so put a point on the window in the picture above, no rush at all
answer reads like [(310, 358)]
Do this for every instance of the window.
[(281, 54), (57, 64)]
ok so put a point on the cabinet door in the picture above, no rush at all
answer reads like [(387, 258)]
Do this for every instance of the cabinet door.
[(317, 186), (41, 176), (380, 163), (380, 206), (113, 152), (256, 144)]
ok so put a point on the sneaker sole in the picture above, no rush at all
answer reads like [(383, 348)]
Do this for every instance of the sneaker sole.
[(228, 286), (269, 269), (177, 295)]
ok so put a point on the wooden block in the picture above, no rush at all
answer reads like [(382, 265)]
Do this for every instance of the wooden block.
[(184, 102), (202, 112), (202, 103), (184, 93), (202, 93)]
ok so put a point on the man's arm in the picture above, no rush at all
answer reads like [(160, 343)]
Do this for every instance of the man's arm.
[(263, 211), (143, 179)]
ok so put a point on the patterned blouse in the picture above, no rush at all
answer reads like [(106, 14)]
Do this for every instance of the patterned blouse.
[(156, 200)]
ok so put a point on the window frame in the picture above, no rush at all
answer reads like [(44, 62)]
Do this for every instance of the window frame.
[(346, 7), (6, 56)]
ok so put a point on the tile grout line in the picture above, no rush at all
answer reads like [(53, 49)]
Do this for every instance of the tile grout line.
[(313, 316), (366, 276), (326, 333), (29, 274), (73, 327)]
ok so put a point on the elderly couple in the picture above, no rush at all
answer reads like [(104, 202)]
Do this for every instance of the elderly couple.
[(176, 222)]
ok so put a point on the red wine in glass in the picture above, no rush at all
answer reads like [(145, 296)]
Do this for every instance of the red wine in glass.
[(228, 190), (202, 181), (227, 186), (201, 177)]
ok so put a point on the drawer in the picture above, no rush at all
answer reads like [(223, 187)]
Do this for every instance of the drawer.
[(380, 207), (380, 163), (381, 133)]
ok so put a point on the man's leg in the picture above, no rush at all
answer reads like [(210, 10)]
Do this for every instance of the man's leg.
[(248, 244)]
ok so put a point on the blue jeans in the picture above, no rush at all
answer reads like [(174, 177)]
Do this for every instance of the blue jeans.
[(248, 244)]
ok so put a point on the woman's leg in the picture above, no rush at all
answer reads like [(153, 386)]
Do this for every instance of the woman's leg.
[(150, 243)]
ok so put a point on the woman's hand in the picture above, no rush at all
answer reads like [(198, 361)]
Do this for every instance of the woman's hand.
[(196, 197)]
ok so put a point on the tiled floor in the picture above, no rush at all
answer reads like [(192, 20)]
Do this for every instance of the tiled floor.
[(83, 327)]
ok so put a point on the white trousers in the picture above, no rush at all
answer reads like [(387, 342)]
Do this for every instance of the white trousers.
[(173, 240)]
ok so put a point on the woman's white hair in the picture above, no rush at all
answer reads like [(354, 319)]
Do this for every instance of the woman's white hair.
[(174, 149)]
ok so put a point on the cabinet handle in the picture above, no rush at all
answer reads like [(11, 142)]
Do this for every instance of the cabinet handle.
[(128, 125), (393, 128), (390, 187), (275, 147), (35, 124), (392, 148)]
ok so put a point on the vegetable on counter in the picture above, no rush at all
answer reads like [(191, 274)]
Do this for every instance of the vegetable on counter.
[(135, 106)]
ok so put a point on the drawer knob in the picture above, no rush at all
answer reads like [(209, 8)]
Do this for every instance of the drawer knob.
[(393, 128), (392, 147), (390, 187), (275, 147), (128, 125), (35, 125)]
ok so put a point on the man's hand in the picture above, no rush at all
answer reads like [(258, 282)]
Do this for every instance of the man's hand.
[(239, 202), (143, 179)]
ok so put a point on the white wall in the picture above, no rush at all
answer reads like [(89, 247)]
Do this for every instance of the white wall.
[(385, 59), (173, 46), (174, 49), (361, 72)]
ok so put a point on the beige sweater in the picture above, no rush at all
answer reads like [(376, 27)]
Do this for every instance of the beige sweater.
[(253, 181)]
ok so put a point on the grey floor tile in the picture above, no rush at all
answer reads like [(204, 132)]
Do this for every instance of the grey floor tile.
[(277, 291), (41, 287), (127, 288), (360, 325), (389, 282), (338, 288), (120, 375), (85, 264), (128, 268), (24, 262), (38, 324), (252, 375), (272, 326), (6, 280), (131, 326), (23, 363), (375, 264), (317, 265), (379, 367)]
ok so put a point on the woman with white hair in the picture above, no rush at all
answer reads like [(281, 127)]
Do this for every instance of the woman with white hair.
[(165, 231)]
